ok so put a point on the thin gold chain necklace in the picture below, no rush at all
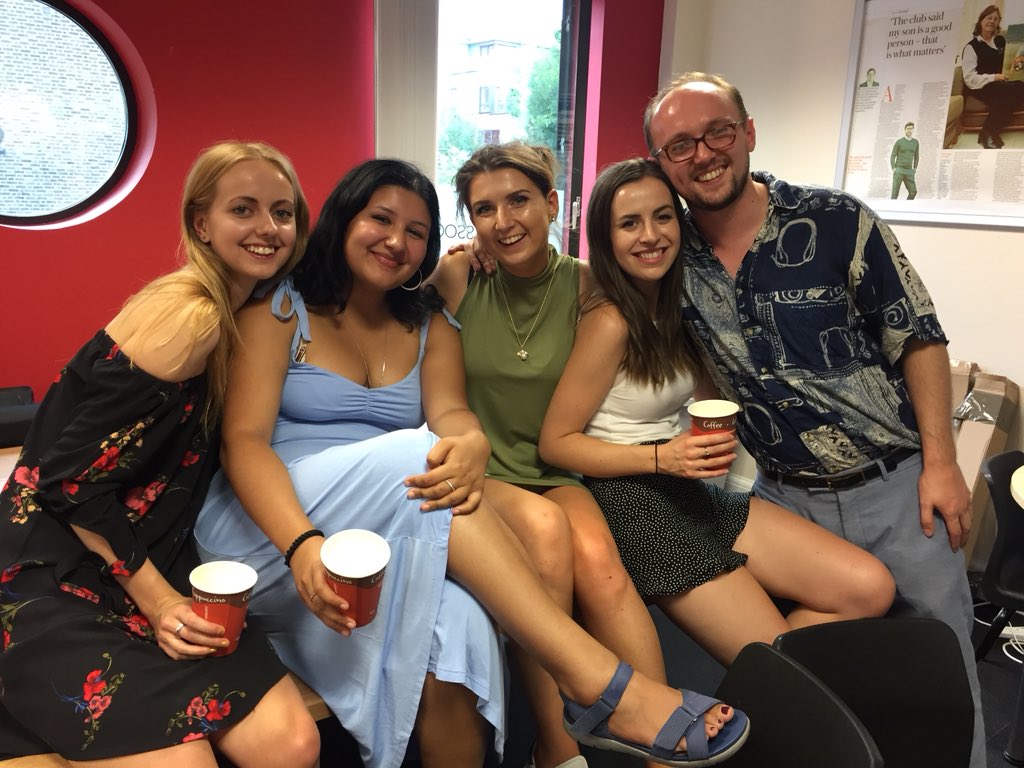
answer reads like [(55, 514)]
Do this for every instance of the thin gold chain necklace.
[(366, 368), (522, 354)]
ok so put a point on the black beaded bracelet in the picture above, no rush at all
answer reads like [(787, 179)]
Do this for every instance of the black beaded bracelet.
[(298, 540)]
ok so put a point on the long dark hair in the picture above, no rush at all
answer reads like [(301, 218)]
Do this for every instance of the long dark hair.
[(656, 350), (323, 276)]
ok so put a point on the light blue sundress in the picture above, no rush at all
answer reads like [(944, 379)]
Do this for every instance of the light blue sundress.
[(348, 450)]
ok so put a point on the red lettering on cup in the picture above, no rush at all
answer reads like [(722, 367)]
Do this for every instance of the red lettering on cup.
[(362, 595)]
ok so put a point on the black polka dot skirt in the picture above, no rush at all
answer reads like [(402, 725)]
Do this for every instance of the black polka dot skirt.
[(673, 534)]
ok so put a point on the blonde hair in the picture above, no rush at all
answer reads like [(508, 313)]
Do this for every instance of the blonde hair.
[(196, 298)]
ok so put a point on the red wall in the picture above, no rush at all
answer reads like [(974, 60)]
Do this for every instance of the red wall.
[(625, 56), (298, 75)]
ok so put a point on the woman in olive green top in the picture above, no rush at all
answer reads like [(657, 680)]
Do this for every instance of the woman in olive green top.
[(518, 326)]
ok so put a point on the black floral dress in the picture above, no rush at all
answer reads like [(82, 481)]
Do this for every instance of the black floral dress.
[(118, 452)]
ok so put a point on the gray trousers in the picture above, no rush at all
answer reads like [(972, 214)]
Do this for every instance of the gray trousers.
[(882, 517)]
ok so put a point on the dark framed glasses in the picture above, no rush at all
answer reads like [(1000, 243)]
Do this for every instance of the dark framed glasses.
[(719, 137)]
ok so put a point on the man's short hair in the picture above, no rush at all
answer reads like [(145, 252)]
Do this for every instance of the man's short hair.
[(685, 79)]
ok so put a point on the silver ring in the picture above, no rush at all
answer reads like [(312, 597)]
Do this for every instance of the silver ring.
[(177, 629), (450, 485)]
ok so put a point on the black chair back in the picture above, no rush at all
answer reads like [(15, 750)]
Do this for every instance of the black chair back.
[(903, 677), (795, 720), (1003, 582)]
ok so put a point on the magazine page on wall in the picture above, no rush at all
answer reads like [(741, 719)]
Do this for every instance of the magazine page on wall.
[(935, 111)]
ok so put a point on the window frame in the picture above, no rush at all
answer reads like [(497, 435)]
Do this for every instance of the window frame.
[(131, 138)]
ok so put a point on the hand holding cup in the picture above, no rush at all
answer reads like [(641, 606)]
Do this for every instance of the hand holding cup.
[(220, 594), (708, 449), (354, 561)]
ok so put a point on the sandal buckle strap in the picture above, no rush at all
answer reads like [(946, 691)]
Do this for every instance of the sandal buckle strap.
[(679, 724), (602, 709)]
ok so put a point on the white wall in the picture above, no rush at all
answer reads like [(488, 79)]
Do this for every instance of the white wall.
[(789, 58)]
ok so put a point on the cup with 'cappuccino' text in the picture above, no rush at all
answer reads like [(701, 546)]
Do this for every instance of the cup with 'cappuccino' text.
[(355, 560), (220, 593), (708, 416)]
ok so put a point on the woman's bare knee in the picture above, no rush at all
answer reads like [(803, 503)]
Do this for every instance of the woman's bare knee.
[(278, 733), (597, 567), (874, 588)]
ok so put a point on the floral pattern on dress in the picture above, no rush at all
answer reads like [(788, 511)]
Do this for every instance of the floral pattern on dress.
[(204, 714), (131, 620), (10, 603), (140, 498), (115, 450), (26, 485), (82, 592), (98, 690)]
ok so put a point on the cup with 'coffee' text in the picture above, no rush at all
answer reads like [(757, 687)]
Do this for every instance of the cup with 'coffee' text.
[(708, 416)]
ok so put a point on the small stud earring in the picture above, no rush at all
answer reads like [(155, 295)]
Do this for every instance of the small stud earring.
[(553, 217)]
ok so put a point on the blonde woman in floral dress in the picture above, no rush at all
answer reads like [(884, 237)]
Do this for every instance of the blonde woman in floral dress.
[(102, 658)]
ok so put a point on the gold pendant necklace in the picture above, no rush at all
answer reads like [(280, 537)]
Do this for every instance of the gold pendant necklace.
[(522, 354), (366, 368)]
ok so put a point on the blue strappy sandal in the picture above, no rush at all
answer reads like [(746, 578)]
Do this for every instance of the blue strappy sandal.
[(590, 726)]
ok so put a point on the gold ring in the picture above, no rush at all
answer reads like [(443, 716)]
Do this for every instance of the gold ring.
[(450, 485), (177, 629), (707, 453)]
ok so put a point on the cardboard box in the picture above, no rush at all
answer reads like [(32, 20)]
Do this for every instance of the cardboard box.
[(962, 375), (986, 414)]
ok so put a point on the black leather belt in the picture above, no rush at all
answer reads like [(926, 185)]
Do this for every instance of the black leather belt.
[(844, 479)]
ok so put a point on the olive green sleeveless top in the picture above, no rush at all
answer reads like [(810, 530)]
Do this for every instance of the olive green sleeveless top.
[(510, 394)]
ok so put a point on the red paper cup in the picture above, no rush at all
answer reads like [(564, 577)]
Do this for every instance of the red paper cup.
[(708, 416), (355, 560), (220, 593)]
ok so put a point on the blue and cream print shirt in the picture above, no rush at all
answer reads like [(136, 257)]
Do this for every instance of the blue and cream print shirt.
[(809, 335)]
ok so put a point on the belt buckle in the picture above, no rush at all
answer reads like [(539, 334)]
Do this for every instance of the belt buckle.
[(846, 481)]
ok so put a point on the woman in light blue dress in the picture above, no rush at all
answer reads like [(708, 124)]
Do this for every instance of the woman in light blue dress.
[(337, 368)]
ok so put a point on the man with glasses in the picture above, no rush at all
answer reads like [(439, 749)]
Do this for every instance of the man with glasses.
[(812, 318)]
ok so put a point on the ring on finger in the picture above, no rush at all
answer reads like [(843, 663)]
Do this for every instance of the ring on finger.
[(707, 453), (450, 485), (177, 629)]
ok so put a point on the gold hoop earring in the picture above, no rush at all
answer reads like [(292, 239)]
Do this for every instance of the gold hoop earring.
[(419, 282)]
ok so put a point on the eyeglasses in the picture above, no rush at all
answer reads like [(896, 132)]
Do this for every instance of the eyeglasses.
[(719, 137)]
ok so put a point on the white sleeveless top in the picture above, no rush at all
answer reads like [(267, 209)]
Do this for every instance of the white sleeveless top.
[(635, 413)]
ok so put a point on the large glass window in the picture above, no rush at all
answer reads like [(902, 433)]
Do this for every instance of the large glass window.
[(504, 72), (66, 113)]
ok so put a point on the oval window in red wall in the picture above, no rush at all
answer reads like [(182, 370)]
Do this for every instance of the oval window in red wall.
[(69, 115)]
